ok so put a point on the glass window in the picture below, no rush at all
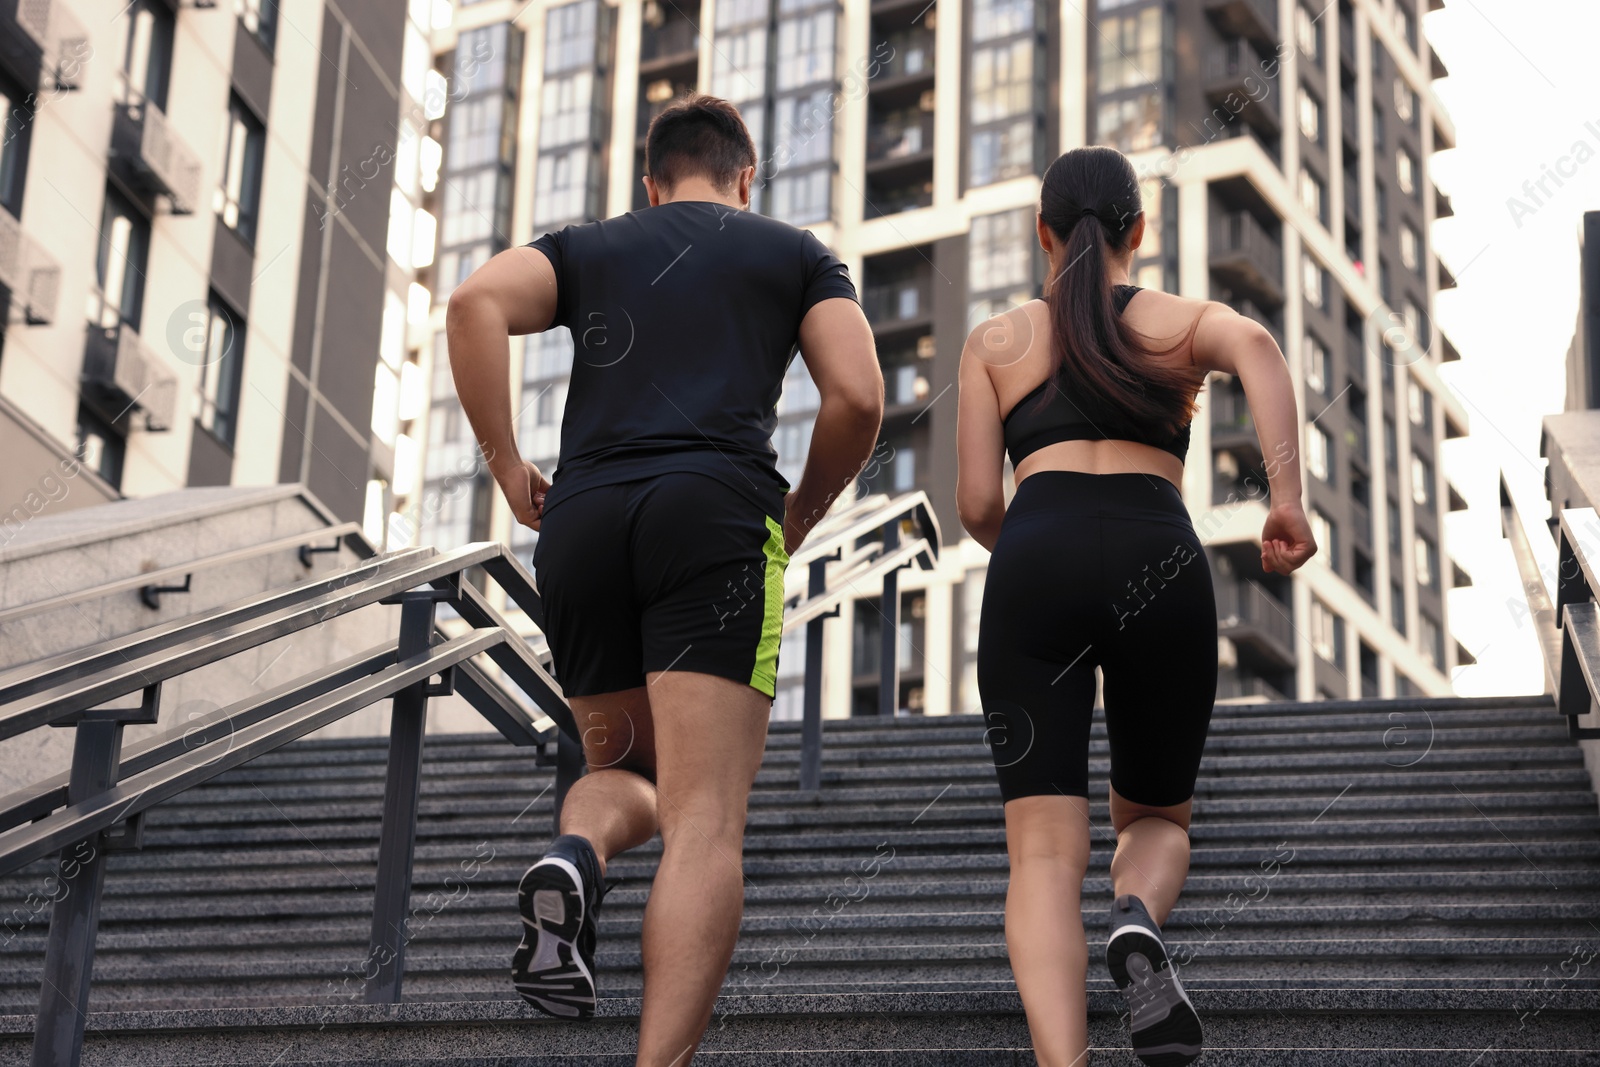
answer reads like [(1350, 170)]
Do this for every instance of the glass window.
[(120, 262), (802, 198), (473, 138), (739, 64), (1310, 116), (1002, 152), (1002, 81), (480, 61), (470, 204), (260, 17), (1431, 639), (146, 53), (1131, 123), (1307, 34), (741, 13), (1405, 167), (1130, 50), (569, 37), (14, 147), (99, 446), (1420, 402), (803, 129), (1316, 364), (1001, 18), (1327, 632), (1312, 275), (1427, 560), (1000, 251), (561, 185), (1405, 101), (1410, 248), (566, 107), (805, 50), (1421, 482), (1322, 530), (238, 196), (217, 399), (1319, 454), (1311, 197)]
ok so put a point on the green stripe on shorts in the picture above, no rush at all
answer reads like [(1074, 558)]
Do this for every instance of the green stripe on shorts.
[(765, 675)]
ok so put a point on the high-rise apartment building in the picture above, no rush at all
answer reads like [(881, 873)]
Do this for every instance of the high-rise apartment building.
[(209, 237), (1285, 149)]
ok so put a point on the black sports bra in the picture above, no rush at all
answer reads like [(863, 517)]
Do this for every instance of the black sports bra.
[(1029, 426)]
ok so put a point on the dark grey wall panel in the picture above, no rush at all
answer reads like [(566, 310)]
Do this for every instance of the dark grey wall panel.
[(210, 462), (338, 474), (232, 263), (252, 71), (351, 328)]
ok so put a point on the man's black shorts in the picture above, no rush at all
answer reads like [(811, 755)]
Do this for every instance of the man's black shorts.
[(675, 572)]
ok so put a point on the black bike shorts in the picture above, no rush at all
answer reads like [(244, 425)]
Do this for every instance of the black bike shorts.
[(675, 572), (1098, 570)]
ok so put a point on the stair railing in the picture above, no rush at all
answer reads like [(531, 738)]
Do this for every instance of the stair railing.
[(99, 805), (874, 538), (1567, 627)]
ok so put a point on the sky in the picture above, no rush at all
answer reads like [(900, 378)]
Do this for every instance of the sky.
[(1524, 91)]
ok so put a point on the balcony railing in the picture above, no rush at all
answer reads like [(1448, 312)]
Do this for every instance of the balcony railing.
[(44, 44), (1250, 615), (1361, 522), (897, 302), (1246, 255), (1232, 425), (900, 137), (913, 55), (673, 39), (155, 158), (1233, 70), (29, 273), (120, 367), (1255, 19)]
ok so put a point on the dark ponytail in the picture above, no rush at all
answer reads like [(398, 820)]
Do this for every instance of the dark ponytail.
[(1090, 201)]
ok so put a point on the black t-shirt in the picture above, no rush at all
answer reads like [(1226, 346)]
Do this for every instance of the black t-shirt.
[(684, 319)]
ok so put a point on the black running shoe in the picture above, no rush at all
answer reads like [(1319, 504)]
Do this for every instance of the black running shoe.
[(559, 898), (1165, 1028)]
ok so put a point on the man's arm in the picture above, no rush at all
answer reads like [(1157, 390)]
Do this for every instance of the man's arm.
[(513, 293), (836, 344)]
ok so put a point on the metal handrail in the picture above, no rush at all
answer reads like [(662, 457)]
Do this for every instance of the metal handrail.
[(81, 813), (346, 533), (1567, 626), (908, 533)]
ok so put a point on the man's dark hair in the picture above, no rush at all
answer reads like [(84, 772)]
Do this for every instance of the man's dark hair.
[(698, 135)]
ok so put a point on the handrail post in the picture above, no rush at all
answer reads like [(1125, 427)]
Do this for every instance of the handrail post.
[(80, 876), (385, 963), (811, 723), (889, 604)]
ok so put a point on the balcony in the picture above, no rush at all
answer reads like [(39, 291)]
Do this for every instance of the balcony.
[(1246, 256), (1253, 618), (900, 147), (1255, 19), (151, 156), (1355, 440), (1442, 207), (122, 374), (883, 200), (1233, 428), (900, 305), (673, 43), (1233, 73), (911, 65), (1352, 202), (1347, 39), (1361, 522), (29, 273), (41, 45)]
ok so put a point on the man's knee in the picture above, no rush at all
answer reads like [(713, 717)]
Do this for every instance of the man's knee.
[(713, 820)]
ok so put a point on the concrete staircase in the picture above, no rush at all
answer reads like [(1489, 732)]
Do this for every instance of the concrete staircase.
[(1385, 882)]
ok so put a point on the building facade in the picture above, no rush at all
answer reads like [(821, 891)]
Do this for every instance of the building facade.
[(230, 193), (1284, 147)]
